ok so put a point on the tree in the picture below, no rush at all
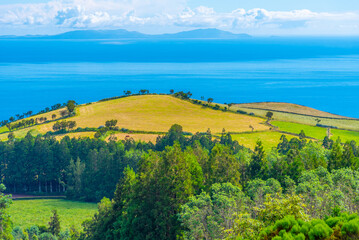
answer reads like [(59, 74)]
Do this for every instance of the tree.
[(111, 123), (127, 93), (71, 124), (257, 163), (54, 224), (207, 216), (269, 116), (5, 222), (11, 136), (210, 100), (302, 135), (64, 113), (53, 116), (172, 91), (251, 127), (71, 104)]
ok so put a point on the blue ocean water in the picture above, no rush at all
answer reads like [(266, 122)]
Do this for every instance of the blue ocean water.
[(320, 73)]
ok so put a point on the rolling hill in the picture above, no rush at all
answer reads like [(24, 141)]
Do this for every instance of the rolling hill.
[(144, 117)]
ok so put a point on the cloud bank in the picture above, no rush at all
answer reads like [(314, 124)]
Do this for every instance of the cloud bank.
[(162, 15)]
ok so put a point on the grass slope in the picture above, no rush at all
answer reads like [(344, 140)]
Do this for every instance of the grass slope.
[(316, 132), (154, 113), (26, 213), (290, 108), (349, 124)]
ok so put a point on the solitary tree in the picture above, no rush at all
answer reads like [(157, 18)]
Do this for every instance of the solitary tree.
[(251, 127), (210, 100), (302, 135), (111, 123), (54, 224), (172, 91), (53, 116), (71, 104), (269, 116)]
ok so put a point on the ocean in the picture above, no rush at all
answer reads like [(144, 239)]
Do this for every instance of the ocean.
[(322, 73)]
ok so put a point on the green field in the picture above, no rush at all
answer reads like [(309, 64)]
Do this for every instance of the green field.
[(317, 132), (26, 213), (310, 131), (269, 139)]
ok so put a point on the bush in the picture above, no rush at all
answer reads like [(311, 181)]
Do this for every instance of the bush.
[(47, 236), (241, 112)]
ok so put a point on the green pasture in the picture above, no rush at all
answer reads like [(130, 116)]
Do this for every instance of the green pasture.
[(26, 213), (269, 139)]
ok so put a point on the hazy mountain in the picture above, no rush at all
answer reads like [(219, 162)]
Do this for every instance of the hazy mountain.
[(124, 34), (210, 33)]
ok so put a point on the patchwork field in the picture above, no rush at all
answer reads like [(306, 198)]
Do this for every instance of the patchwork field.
[(349, 124), (157, 113), (290, 108), (26, 213)]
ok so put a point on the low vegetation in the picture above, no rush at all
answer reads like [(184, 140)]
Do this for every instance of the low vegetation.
[(27, 213)]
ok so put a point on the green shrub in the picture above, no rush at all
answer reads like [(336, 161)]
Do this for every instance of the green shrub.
[(47, 236), (320, 231)]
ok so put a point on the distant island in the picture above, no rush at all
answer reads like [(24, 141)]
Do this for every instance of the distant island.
[(210, 33)]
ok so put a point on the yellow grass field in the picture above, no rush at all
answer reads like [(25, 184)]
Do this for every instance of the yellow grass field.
[(152, 113), (269, 139), (76, 135), (159, 113)]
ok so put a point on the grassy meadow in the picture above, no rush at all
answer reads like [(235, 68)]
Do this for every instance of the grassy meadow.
[(269, 139), (26, 213), (317, 132)]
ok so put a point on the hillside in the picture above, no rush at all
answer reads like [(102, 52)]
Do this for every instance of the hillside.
[(145, 117), (289, 108), (152, 113)]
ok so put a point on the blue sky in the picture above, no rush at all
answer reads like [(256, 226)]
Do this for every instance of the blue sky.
[(255, 17)]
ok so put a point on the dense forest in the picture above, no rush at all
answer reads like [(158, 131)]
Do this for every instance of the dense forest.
[(193, 187)]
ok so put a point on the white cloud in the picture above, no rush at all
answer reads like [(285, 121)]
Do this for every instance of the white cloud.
[(93, 14)]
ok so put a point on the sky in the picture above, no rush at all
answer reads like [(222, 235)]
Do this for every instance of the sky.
[(255, 17)]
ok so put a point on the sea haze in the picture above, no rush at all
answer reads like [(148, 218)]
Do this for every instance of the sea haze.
[(318, 72)]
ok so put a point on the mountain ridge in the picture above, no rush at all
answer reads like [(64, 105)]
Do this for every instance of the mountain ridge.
[(208, 33)]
